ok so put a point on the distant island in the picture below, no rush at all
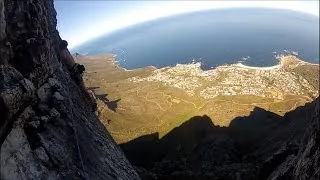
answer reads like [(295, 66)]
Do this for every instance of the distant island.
[(149, 100)]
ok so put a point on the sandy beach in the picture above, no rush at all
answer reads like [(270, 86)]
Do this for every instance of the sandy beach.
[(259, 68)]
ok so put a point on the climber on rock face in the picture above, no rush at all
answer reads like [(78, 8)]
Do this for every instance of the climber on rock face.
[(75, 69), (66, 57)]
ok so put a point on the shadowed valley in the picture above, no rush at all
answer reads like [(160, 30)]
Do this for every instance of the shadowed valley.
[(252, 147)]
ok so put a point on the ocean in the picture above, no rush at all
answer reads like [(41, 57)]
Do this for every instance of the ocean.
[(253, 36)]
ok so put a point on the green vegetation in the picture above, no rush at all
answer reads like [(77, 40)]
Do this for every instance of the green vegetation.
[(310, 73)]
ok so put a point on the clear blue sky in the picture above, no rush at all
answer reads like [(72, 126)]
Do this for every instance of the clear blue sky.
[(79, 21)]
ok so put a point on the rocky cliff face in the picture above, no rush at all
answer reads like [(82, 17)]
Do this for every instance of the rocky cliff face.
[(306, 164), (46, 129)]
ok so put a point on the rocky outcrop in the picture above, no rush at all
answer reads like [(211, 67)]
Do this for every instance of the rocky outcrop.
[(305, 164), (47, 130)]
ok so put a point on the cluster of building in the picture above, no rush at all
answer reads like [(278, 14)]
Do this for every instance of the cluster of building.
[(230, 80)]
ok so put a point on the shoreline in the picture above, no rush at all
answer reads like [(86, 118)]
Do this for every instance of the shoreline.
[(258, 68), (239, 64), (116, 63)]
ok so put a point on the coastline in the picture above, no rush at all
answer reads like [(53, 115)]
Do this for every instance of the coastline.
[(258, 68), (282, 62), (115, 63), (240, 65)]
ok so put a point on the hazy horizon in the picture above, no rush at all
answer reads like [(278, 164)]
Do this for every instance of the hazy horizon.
[(80, 21), (214, 37)]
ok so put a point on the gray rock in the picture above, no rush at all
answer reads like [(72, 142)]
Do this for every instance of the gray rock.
[(15, 90), (43, 108), (16, 154), (54, 83), (44, 93), (34, 124), (42, 155), (44, 118), (2, 21), (16, 93), (28, 114), (57, 96), (54, 113)]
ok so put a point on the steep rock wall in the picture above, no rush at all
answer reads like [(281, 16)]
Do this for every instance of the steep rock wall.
[(306, 164), (47, 130)]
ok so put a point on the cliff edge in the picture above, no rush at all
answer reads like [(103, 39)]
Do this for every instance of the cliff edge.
[(46, 129)]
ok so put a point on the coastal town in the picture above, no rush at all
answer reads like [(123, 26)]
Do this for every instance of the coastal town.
[(235, 79)]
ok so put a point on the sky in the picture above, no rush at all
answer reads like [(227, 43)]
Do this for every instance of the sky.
[(80, 21)]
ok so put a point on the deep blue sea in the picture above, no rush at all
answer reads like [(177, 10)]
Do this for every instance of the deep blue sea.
[(215, 37)]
